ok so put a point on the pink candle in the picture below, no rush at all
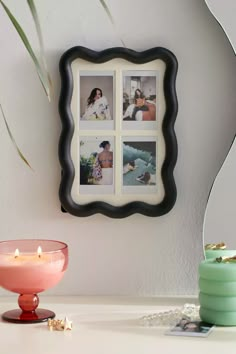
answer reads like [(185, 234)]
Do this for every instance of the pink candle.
[(29, 273), (28, 267), (33, 266)]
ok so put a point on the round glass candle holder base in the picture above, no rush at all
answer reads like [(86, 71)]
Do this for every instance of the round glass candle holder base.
[(18, 316)]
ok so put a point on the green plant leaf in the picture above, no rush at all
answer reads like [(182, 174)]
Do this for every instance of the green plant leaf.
[(104, 5), (34, 14), (13, 140), (40, 71)]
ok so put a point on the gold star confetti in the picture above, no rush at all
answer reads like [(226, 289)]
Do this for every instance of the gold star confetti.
[(59, 325)]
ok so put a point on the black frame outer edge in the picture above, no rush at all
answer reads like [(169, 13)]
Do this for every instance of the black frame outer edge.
[(68, 171)]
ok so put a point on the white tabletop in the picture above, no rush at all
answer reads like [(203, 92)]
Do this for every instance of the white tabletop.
[(106, 325)]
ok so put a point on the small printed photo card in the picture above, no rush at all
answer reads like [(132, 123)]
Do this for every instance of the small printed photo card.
[(139, 165), (191, 329), (140, 106), (96, 100), (96, 165)]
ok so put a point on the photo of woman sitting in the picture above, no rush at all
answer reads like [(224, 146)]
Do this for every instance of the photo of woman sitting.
[(141, 109), (97, 106)]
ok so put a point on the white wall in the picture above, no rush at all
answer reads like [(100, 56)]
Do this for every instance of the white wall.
[(137, 255)]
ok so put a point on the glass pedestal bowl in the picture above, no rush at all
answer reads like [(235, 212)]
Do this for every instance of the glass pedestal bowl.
[(28, 267)]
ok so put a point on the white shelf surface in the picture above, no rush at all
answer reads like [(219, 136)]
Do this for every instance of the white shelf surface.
[(106, 325)]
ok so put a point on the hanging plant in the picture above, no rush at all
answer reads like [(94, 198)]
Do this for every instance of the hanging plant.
[(39, 62)]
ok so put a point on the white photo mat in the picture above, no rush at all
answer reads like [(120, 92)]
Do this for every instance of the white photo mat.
[(117, 131)]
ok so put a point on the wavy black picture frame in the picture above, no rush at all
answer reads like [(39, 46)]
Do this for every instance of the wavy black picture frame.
[(67, 120)]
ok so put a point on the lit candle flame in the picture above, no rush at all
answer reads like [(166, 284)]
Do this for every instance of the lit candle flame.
[(39, 251), (17, 253)]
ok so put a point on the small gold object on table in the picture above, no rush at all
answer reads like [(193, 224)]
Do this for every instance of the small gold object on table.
[(60, 325)]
